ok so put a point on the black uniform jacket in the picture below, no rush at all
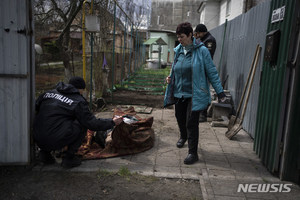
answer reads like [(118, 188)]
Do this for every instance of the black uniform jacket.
[(210, 43), (58, 109)]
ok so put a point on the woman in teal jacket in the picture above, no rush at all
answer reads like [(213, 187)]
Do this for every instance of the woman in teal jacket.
[(188, 87)]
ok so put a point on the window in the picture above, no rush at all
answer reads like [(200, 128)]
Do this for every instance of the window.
[(228, 8), (158, 19), (202, 14)]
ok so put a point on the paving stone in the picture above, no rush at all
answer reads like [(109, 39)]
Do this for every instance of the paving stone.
[(222, 174), (217, 165), (167, 172), (225, 187), (171, 161), (191, 173), (237, 158), (219, 197), (144, 159)]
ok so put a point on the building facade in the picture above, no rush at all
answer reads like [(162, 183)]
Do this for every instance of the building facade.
[(167, 14)]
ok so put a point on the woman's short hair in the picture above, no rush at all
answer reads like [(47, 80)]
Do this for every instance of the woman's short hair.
[(185, 28)]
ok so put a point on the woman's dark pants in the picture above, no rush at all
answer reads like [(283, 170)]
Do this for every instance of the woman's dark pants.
[(188, 122)]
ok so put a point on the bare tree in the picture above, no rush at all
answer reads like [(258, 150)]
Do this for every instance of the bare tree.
[(61, 13)]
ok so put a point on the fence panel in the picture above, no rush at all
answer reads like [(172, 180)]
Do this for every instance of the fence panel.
[(241, 37)]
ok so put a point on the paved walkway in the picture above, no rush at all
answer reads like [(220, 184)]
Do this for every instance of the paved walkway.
[(222, 165)]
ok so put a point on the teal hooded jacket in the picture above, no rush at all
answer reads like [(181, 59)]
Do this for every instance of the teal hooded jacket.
[(203, 70)]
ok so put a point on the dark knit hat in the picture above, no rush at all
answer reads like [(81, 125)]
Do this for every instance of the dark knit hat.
[(201, 28), (77, 82)]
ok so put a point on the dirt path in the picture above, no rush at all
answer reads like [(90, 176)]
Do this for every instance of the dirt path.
[(136, 98), (19, 183)]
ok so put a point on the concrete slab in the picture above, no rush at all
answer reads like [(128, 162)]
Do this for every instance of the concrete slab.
[(225, 187), (218, 197), (221, 174)]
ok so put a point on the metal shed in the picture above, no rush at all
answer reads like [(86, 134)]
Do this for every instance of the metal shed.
[(16, 81)]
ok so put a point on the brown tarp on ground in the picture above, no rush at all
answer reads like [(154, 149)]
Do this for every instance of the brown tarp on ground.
[(125, 138)]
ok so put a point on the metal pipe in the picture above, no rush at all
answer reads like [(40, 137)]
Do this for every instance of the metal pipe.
[(91, 79), (130, 50), (91, 72), (83, 42), (123, 56), (135, 56), (113, 57)]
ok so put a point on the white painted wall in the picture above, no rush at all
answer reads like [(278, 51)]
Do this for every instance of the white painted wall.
[(236, 9), (212, 14)]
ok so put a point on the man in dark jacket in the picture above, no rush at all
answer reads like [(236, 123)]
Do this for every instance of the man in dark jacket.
[(201, 34), (62, 119), (205, 37)]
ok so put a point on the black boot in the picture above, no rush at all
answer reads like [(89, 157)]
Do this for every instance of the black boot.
[(191, 159), (46, 157), (180, 143), (70, 161)]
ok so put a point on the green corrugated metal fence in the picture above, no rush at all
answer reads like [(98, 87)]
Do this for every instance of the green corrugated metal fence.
[(271, 124)]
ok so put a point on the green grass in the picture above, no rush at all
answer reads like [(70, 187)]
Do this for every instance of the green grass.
[(104, 173), (149, 80), (124, 171), (127, 174)]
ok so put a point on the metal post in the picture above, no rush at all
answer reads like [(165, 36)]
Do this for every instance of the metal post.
[(91, 79), (123, 57), (83, 43), (130, 50), (159, 56), (138, 52), (113, 57), (135, 56), (91, 72)]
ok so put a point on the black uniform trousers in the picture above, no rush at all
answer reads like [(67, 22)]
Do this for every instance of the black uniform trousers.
[(72, 139), (188, 122)]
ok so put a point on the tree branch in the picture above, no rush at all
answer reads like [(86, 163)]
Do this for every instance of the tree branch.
[(59, 11), (71, 18)]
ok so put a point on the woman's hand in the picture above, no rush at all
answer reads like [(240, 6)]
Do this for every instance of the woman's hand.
[(168, 79), (117, 120)]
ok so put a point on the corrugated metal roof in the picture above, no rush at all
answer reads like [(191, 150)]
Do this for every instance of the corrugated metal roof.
[(157, 41)]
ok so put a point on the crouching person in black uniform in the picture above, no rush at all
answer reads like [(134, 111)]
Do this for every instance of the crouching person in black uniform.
[(62, 119)]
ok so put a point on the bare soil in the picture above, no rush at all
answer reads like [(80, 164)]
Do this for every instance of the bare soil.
[(135, 98), (21, 183)]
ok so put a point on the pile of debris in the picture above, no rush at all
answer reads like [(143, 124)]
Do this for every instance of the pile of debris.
[(219, 113)]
